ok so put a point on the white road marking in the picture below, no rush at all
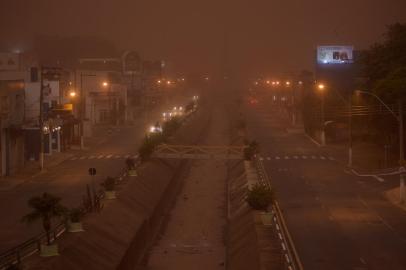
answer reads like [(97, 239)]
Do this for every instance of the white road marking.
[(362, 260), (304, 157), (74, 158), (295, 157), (92, 157), (101, 156), (313, 157), (331, 158), (322, 157), (261, 158), (135, 156), (127, 156), (109, 156), (268, 158), (277, 158), (83, 157), (286, 157), (117, 156)]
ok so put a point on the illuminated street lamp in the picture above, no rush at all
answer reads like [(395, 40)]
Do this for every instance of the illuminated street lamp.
[(105, 84), (72, 94), (321, 87), (287, 83)]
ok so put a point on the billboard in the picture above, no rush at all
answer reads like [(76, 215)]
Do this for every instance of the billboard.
[(335, 54)]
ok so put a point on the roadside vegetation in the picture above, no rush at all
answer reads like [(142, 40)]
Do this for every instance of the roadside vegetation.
[(260, 197)]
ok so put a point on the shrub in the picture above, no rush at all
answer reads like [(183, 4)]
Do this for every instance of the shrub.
[(251, 150), (260, 197), (130, 162), (109, 184), (76, 214), (148, 145)]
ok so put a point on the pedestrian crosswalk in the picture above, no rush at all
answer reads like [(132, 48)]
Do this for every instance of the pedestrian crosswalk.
[(297, 157), (103, 156)]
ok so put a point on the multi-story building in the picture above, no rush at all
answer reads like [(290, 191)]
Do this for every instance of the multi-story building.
[(11, 113)]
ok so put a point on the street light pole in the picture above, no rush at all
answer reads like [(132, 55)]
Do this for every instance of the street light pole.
[(321, 88)]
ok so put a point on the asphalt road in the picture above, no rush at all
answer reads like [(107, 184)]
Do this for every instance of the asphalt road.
[(337, 220), (106, 153)]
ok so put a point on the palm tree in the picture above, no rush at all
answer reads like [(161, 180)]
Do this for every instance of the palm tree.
[(45, 207)]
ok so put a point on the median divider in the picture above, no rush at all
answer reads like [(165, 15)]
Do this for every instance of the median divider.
[(292, 258)]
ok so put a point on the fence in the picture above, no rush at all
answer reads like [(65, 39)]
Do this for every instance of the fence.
[(290, 254), (91, 203)]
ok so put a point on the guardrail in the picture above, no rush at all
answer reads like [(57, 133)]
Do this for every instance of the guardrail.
[(291, 256)]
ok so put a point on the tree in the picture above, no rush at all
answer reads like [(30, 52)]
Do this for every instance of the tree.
[(385, 64), (45, 207)]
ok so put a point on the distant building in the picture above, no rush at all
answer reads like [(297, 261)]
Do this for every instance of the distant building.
[(11, 113)]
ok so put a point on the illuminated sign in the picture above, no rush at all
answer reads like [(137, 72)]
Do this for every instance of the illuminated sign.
[(334, 54)]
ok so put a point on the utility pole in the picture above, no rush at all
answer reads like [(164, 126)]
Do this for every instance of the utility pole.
[(401, 154), (81, 96), (350, 131), (323, 132), (41, 120)]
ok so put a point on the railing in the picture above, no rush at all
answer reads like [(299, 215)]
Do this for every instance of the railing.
[(291, 256), (91, 203), (29, 247), (199, 152)]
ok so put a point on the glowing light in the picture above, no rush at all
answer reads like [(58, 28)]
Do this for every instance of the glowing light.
[(105, 84), (321, 86), (72, 94)]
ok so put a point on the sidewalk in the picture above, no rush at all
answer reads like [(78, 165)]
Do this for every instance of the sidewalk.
[(32, 170), (367, 157), (64, 179)]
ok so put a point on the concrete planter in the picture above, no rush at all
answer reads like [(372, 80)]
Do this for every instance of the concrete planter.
[(110, 195), (266, 218), (49, 250), (75, 227), (132, 173)]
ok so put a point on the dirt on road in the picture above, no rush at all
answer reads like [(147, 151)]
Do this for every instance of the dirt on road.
[(194, 234)]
